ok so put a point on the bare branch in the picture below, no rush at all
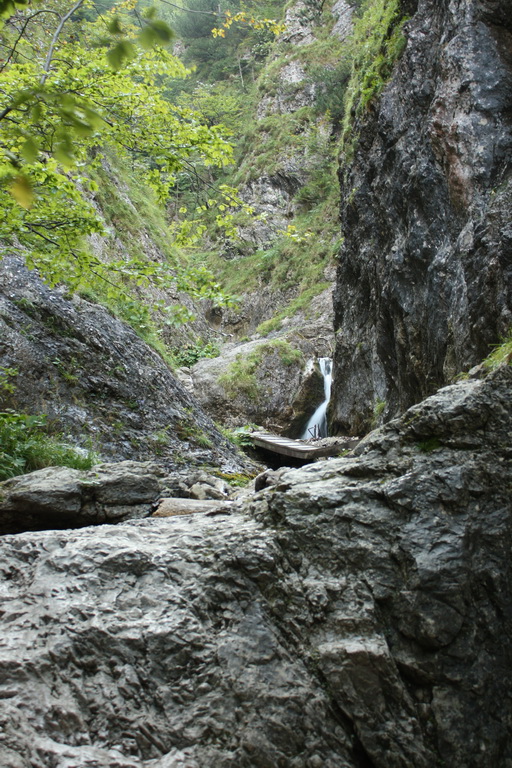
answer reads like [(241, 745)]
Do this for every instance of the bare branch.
[(190, 10), (56, 35), (22, 32)]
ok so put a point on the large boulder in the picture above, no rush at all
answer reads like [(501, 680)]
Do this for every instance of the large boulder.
[(60, 497), (358, 613)]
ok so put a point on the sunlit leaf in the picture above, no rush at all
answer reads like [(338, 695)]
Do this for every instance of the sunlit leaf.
[(21, 190)]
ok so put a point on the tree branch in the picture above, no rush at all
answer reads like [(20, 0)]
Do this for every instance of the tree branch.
[(189, 10), (56, 35), (22, 32)]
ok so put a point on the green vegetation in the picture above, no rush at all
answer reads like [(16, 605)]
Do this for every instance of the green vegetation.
[(241, 378), (25, 445), (68, 87), (501, 354), (190, 353), (301, 302), (7, 379), (375, 44), (235, 479), (239, 436), (378, 409), (427, 446), (187, 429)]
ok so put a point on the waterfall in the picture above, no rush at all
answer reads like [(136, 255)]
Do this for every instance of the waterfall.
[(317, 425)]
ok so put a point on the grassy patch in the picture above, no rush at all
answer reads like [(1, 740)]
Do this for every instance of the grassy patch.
[(501, 354), (25, 446), (241, 378)]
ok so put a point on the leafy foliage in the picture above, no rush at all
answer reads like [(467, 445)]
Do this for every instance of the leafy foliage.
[(190, 353), (57, 103), (26, 446)]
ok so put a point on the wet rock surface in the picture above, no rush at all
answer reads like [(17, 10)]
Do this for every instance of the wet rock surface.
[(356, 614), (97, 381), (425, 276)]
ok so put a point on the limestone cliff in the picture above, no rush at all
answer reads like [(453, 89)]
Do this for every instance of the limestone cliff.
[(424, 279)]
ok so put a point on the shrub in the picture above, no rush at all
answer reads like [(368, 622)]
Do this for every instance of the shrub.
[(192, 352)]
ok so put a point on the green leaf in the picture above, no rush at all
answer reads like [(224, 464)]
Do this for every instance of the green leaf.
[(21, 190), (154, 33), (123, 51), (30, 150), (36, 112), (114, 26), (63, 151)]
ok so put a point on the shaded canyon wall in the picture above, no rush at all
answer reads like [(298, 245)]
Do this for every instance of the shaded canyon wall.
[(424, 279)]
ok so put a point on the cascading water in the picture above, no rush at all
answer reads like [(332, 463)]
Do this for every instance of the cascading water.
[(317, 425)]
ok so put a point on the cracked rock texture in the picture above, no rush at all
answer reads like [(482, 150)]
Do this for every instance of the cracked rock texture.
[(425, 276), (97, 381), (355, 615)]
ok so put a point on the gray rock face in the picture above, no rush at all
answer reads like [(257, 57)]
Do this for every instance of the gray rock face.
[(280, 395), (59, 497), (356, 614), (96, 380), (425, 277)]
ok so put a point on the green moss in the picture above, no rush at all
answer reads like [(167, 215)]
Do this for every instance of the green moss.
[(235, 479), (376, 43), (427, 446)]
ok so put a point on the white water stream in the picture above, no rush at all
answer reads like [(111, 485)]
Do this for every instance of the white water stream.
[(317, 425)]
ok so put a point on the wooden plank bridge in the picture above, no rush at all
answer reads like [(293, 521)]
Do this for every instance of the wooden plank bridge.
[(298, 449)]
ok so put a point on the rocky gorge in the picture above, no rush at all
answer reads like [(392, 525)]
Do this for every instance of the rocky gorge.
[(354, 612)]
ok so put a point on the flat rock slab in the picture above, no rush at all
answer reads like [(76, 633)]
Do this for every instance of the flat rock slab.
[(171, 507)]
